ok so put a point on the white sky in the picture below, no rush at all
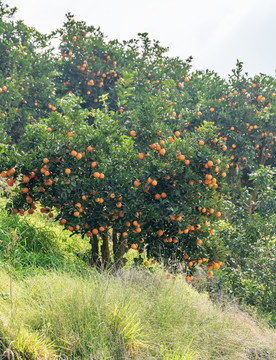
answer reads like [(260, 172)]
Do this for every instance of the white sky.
[(214, 32)]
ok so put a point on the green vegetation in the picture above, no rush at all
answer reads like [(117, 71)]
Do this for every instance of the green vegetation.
[(28, 245), (132, 314), (61, 307), (163, 182)]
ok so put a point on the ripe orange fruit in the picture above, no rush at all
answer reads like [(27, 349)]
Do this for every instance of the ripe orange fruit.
[(136, 183), (160, 232), (134, 246), (67, 171), (95, 231), (201, 143), (49, 129), (212, 109), (70, 134), (132, 133), (154, 182), (141, 156), (96, 175), (187, 162), (163, 195), (218, 214), (76, 213), (259, 98), (25, 179), (177, 133), (173, 114), (79, 156), (162, 152), (157, 196)]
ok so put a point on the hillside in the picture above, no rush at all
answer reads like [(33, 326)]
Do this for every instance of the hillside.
[(137, 201), (61, 308), (129, 315)]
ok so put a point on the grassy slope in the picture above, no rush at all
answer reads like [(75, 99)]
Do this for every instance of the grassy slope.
[(62, 309), (33, 243), (133, 314)]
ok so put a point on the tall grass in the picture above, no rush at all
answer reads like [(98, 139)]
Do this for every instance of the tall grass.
[(129, 315), (59, 308), (30, 244)]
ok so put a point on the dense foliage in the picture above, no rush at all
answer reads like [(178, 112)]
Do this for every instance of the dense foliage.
[(129, 147)]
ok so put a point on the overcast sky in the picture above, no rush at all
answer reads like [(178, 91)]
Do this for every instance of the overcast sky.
[(214, 32)]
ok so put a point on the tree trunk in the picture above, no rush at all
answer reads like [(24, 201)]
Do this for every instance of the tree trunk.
[(115, 243), (263, 158), (119, 249), (106, 260), (252, 199), (253, 195), (94, 259)]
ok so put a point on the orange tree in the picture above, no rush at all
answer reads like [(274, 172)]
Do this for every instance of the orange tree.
[(89, 66), (26, 75), (162, 197), (242, 108)]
